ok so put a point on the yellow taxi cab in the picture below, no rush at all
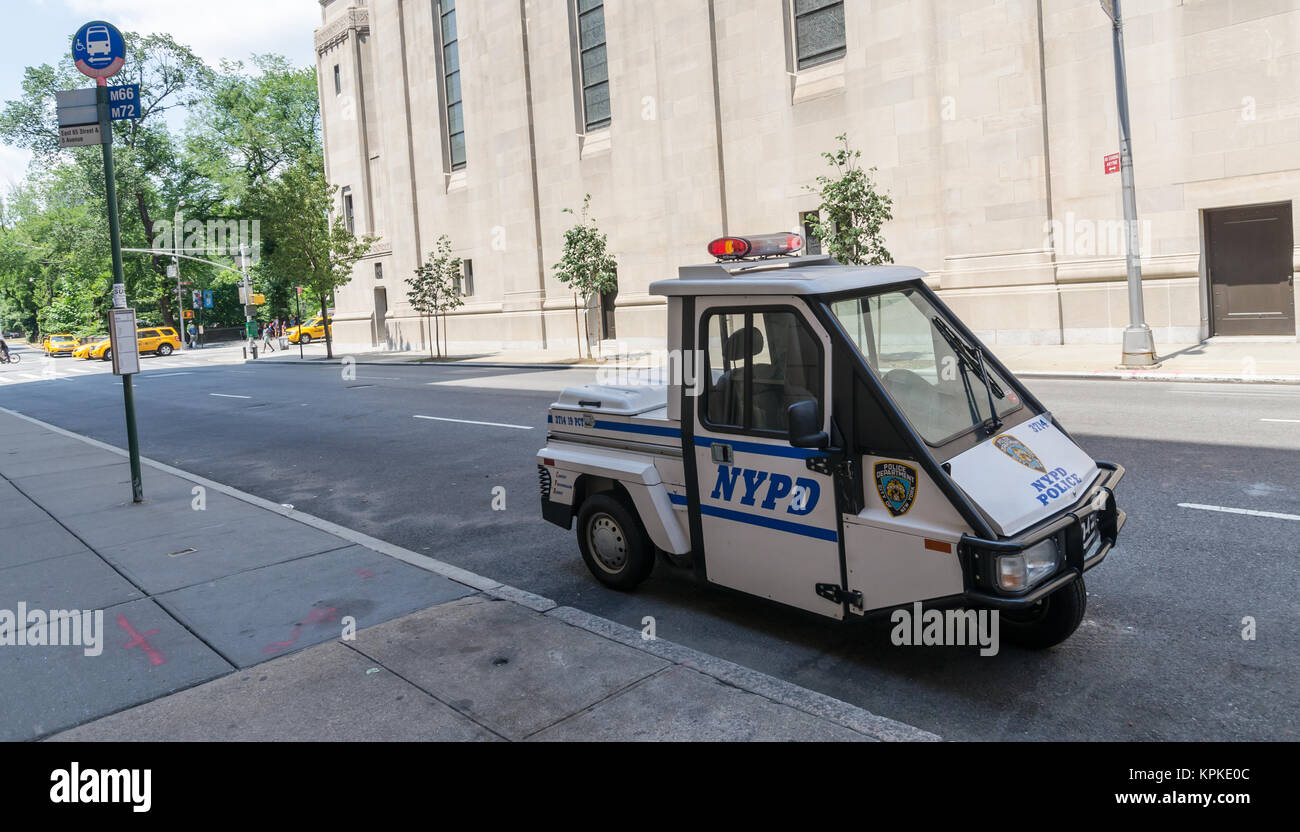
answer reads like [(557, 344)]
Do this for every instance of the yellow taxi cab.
[(315, 328), (90, 343), (62, 344), (162, 340)]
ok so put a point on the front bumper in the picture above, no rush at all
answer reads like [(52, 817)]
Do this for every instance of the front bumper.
[(977, 555)]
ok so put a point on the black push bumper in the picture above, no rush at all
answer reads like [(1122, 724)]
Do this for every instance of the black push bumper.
[(978, 555)]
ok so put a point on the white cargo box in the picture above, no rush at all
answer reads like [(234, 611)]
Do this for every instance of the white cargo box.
[(621, 401)]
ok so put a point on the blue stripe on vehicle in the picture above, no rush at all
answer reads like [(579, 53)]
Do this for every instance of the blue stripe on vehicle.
[(626, 427), (753, 519), (770, 523), (787, 451)]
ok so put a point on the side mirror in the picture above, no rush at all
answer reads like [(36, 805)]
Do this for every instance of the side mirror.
[(805, 425)]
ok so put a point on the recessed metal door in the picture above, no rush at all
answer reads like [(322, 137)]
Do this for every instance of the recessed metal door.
[(1249, 259)]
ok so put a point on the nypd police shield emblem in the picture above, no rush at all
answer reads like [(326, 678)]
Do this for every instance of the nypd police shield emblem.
[(896, 483), (1014, 448)]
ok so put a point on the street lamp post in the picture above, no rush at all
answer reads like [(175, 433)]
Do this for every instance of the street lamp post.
[(177, 225), (1139, 344)]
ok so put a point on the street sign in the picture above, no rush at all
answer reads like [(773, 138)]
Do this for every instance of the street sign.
[(1112, 163), (119, 295), (83, 136), (124, 102), (207, 298), (250, 328), (171, 270), (98, 49), (126, 350)]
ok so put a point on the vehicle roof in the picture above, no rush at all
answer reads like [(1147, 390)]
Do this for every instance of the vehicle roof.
[(807, 275)]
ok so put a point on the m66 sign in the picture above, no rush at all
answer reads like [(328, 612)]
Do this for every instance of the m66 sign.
[(124, 102)]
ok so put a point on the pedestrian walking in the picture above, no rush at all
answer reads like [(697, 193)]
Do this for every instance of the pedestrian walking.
[(266, 338)]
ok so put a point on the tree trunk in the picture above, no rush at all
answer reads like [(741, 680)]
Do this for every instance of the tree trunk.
[(428, 324), (329, 339)]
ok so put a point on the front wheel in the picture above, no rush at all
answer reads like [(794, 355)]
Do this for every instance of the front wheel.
[(1050, 621), (14, 358), (614, 546), (305, 338), (108, 354), (165, 349)]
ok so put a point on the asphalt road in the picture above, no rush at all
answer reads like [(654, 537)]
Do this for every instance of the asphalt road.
[(1160, 654)]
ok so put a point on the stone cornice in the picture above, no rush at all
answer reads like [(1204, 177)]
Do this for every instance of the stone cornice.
[(354, 19)]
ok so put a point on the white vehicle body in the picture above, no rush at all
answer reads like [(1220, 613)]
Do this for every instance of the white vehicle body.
[(885, 498)]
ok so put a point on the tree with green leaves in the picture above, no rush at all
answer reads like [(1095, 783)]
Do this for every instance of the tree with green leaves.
[(586, 266), (435, 289), (852, 210), (151, 174), (314, 247)]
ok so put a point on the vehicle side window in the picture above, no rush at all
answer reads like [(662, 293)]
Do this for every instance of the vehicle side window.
[(759, 363), (148, 333)]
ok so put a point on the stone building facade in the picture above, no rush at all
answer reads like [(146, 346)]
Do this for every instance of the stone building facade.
[(988, 122)]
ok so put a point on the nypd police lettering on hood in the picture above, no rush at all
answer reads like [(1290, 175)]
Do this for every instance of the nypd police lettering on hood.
[(850, 446)]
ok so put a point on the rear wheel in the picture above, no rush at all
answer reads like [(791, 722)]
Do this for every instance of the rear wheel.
[(614, 546), (1050, 621), (165, 349)]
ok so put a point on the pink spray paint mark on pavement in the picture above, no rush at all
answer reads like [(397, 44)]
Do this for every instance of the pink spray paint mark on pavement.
[(138, 640), (365, 573), (312, 617)]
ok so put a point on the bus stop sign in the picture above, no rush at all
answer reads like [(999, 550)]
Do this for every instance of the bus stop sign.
[(98, 49)]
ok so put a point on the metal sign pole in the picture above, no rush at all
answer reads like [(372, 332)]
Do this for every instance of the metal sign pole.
[(115, 240), (1139, 348)]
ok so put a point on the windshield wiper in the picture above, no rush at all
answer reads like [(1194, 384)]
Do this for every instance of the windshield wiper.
[(968, 355)]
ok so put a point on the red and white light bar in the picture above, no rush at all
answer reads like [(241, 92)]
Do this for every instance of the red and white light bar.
[(759, 245)]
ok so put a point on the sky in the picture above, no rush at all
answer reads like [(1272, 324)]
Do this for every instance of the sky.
[(39, 31)]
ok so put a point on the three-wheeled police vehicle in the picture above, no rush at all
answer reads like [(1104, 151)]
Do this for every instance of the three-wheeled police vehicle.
[(834, 439)]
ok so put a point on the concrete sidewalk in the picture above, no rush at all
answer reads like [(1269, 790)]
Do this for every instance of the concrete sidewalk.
[(227, 617), (1244, 360)]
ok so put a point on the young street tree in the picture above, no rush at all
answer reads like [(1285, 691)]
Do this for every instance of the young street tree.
[(435, 289), (849, 220), (585, 266), (310, 248)]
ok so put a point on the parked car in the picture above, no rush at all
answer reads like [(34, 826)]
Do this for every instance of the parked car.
[(161, 340), (87, 345)]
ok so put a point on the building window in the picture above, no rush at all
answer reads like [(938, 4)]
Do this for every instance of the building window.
[(455, 124), (347, 210), (338, 81), (465, 280), (593, 70), (811, 245), (818, 31), (379, 271)]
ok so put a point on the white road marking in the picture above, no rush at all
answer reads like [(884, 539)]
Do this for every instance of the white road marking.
[(29, 375), (166, 375), (1277, 515), (229, 396), (385, 378), (1280, 394), (1293, 421), (472, 422)]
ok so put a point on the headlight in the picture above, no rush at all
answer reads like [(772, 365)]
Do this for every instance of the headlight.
[(1024, 569)]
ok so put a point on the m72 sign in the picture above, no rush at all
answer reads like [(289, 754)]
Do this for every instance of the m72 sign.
[(124, 102)]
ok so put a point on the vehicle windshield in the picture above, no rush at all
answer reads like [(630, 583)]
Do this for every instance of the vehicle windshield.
[(924, 364), (62, 338)]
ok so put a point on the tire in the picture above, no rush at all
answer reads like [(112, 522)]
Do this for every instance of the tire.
[(305, 339), (1050, 621), (165, 349), (14, 358), (108, 355), (614, 545)]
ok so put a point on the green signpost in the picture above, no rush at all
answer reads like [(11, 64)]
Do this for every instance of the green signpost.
[(99, 52)]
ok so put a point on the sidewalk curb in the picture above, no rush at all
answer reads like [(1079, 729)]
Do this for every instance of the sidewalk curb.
[(752, 681)]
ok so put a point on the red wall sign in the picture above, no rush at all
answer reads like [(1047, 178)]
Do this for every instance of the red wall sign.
[(1112, 163)]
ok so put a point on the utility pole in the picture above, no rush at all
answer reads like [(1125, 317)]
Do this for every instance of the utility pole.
[(1139, 344), (115, 242), (177, 224)]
